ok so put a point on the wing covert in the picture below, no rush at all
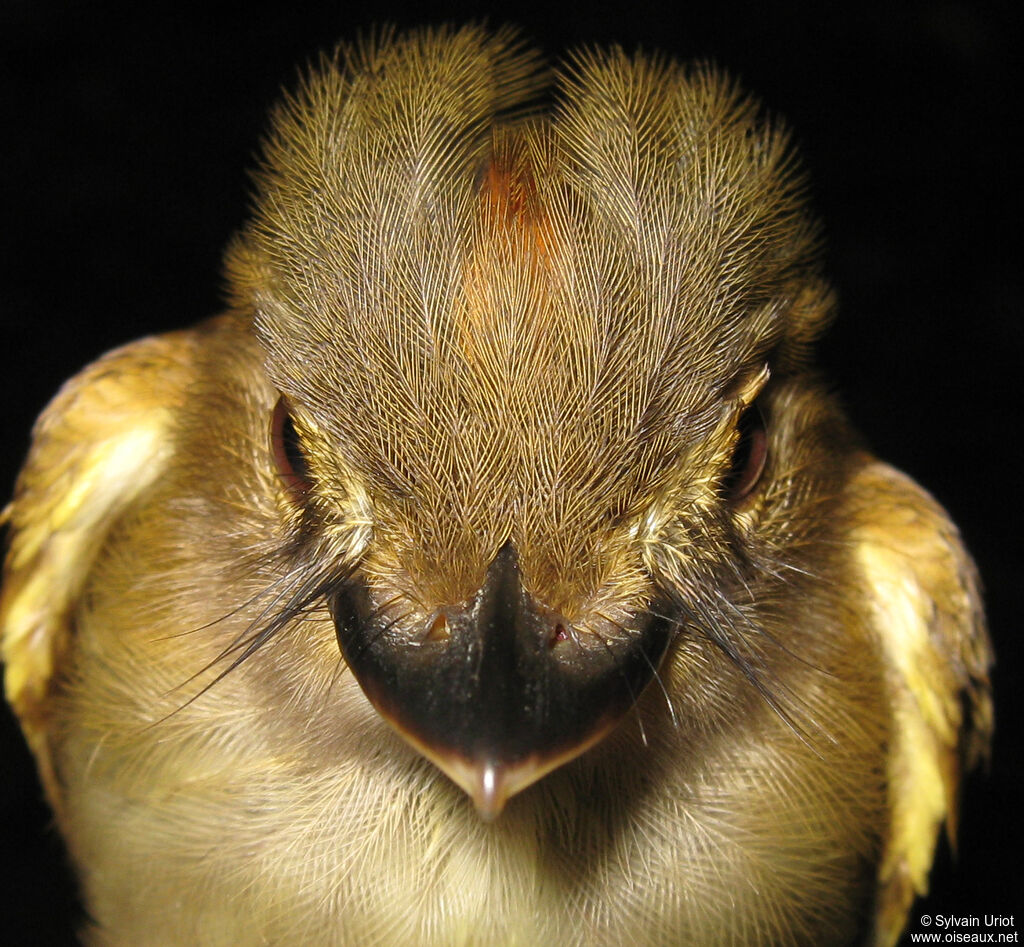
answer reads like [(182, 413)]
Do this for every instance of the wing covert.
[(924, 600), (99, 445)]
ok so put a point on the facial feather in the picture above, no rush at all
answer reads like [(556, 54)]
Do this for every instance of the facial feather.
[(543, 381)]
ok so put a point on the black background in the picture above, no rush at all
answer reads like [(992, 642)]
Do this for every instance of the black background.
[(126, 133)]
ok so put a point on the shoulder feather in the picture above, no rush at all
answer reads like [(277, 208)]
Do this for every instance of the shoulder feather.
[(98, 446), (923, 593)]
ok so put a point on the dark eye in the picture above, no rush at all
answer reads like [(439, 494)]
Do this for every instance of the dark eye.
[(291, 461), (748, 457)]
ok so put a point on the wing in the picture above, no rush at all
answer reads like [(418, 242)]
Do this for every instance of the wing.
[(99, 445), (922, 590)]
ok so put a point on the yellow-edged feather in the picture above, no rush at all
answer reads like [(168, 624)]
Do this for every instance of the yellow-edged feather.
[(922, 592)]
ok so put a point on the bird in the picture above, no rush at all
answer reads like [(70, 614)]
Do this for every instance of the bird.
[(497, 568)]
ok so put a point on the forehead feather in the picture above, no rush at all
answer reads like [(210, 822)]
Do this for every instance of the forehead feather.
[(455, 292)]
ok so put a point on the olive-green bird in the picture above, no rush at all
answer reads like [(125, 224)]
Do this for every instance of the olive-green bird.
[(495, 570)]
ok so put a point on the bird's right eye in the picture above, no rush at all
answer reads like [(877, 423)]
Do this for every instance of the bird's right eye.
[(749, 457), (287, 448)]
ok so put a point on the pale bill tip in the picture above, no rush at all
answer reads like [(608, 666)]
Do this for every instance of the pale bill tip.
[(489, 793)]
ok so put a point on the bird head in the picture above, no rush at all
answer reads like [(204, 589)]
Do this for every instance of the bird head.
[(530, 362)]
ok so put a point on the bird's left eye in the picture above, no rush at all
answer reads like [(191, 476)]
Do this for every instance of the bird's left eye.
[(749, 457), (291, 461)]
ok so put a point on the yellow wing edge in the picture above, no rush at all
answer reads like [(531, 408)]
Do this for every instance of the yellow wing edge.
[(925, 603), (97, 447)]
